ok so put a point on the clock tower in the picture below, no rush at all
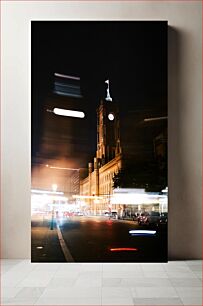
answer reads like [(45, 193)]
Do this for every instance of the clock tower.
[(108, 130)]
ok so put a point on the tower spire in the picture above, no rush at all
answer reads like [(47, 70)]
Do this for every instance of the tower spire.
[(108, 97)]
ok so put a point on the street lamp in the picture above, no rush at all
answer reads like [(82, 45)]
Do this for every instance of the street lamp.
[(54, 188)]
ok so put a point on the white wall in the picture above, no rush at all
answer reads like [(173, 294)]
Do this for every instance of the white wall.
[(184, 113)]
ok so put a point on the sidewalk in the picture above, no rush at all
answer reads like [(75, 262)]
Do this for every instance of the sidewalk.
[(45, 246)]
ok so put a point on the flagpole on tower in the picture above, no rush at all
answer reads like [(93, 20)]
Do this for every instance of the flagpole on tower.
[(108, 97)]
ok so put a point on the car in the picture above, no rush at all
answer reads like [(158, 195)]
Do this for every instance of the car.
[(135, 216), (79, 213), (149, 218), (141, 217), (113, 215)]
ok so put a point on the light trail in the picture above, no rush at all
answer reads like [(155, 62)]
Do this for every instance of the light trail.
[(155, 119), (123, 249), (63, 168), (46, 191), (142, 232), (68, 113), (70, 77)]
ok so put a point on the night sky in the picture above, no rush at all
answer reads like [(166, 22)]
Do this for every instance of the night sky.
[(132, 55)]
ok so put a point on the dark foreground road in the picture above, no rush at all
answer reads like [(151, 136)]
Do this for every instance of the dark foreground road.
[(90, 239), (45, 246)]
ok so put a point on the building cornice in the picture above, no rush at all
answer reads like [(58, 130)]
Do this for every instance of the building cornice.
[(111, 163)]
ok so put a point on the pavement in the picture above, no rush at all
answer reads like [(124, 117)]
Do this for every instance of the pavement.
[(45, 245)]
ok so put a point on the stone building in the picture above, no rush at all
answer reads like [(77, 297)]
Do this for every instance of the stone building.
[(108, 159)]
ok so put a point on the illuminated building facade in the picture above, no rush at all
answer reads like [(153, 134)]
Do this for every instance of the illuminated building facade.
[(108, 160)]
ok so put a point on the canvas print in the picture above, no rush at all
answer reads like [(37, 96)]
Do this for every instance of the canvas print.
[(99, 188)]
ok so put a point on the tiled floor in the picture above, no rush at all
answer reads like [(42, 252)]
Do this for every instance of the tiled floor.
[(173, 283)]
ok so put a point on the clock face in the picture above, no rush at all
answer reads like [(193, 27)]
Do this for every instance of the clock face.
[(111, 116)]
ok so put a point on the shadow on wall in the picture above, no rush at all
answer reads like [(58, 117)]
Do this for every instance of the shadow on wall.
[(182, 206)]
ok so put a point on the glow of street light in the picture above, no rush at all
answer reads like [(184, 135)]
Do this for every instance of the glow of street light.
[(54, 187), (68, 113)]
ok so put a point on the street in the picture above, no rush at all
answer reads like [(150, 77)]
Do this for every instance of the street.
[(96, 239)]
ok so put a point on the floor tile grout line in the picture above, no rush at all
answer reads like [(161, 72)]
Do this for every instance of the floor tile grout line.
[(175, 288), (191, 272), (16, 286), (47, 285)]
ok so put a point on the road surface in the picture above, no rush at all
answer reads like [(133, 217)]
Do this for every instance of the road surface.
[(100, 239)]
